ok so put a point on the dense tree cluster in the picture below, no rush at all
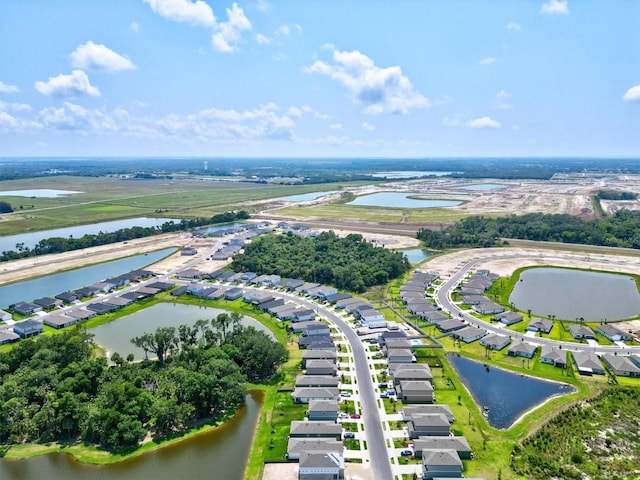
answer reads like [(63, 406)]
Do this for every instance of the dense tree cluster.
[(619, 230), (615, 195), (52, 389), (350, 263), (5, 207), (59, 244)]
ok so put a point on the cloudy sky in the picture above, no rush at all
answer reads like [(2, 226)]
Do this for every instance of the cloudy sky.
[(319, 78)]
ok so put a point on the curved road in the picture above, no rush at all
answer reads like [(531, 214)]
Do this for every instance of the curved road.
[(444, 299)]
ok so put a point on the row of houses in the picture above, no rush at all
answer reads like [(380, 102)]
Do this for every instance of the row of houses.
[(428, 424), (588, 363)]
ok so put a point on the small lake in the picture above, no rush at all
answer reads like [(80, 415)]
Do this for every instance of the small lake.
[(400, 200), (218, 228), (218, 454), (416, 255), (116, 336), (51, 285), (37, 193), (508, 395), (482, 186), (30, 240), (410, 174), (570, 294), (306, 197)]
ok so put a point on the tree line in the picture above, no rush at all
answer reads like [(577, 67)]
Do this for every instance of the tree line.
[(60, 245), (619, 230), (350, 263), (54, 389)]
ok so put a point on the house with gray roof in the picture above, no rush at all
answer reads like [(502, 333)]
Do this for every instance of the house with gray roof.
[(413, 374), (580, 332), (306, 394), (622, 366), (395, 343), (323, 410), (80, 313), (332, 299), (347, 301), (433, 317), (508, 318), (495, 341), (409, 411), (321, 466), (474, 300), (458, 443), (540, 325), (315, 429), (288, 313), (487, 308), (428, 424), (233, 293), (59, 320), (67, 297), (553, 356), (373, 318), (400, 355), (587, 363), (291, 283), (7, 336), (612, 333), (306, 342), (316, 328), (441, 463), (297, 445), (320, 367), (394, 368), (303, 315), (5, 316), (469, 334), (190, 273), (522, 349), (415, 392), (306, 287), (48, 303), (415, 307), (25, 308), (318, 355), (316, 381), (27, 328), (450, 325)]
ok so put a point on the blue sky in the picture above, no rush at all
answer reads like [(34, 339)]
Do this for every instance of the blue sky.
[(319, 78)]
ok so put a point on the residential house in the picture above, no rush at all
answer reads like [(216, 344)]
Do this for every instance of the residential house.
[(27, 328), (325, 381), (487, 308), (80, 313), (59, 321), (320, 367), (5, 316), (24, 308), (336, 297), (413, 374), (475, 300), (48, 303), (540, 325), (321, 466), (315, 429), (433, 317), (441, 463), (190, 273), (373, 318), (67, 297), (323, 292), (397, 343), (409, 411), (428, 424), (622, 366), (415, 392), (508, 318), (188, 251), (303, 315), (305, 342), (86, 292), (400, 355), (457, 443), (612, 333), (7, 336), (522, 349), (553, 356), (469, 334), (451, 325), (316, 328), (306, 394), (580, 332), (291, 284), (233, 293), (495, 342), (323, 410), (297, 445), (587, 363), (307, 355)]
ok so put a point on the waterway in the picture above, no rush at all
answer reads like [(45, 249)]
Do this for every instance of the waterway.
[(9, 242), (116, 336), (416, 255), (306, 197), (507, 395), (400, 200), (569, 294), (52, 285), (38, 193), (219, 454)]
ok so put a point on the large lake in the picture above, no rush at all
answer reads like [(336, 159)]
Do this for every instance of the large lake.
[(570, 294), (52, 285), (116, 336), (38, 193), (507, 395), (30, 240), (400, 200), (218, 454), (306, 197)]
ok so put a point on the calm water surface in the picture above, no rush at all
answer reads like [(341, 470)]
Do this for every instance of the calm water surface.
[(116, 336), (400, 200), (410, 174), (30, 240), (416, 255), (38, 193), (570, 294), (508, 395), (482, 186), (306, 197), (220, 454), (52, 285)]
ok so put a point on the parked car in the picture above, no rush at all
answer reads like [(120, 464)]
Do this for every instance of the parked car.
[(355, 415), (345, 394), (406, 453), (349, 435)]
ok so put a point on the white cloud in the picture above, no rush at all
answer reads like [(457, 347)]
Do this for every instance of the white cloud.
[(555, 7), (229, 33), (72, 85), (328, 46), (488, 61), (513, 26), (197, 13), (632, 95), (382, 90), (335, 126), (6, 88), (502, 100), (368, 126), (483, 122), (93, 56), (283, 31), (294, 112), (515, 128), (262, 39), (443, 100), (298, 27), (451, 122), (72, 117), (262, 6), (16, 107), (135, 26)]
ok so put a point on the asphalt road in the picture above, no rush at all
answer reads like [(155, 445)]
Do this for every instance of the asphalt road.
[(444, 299)]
